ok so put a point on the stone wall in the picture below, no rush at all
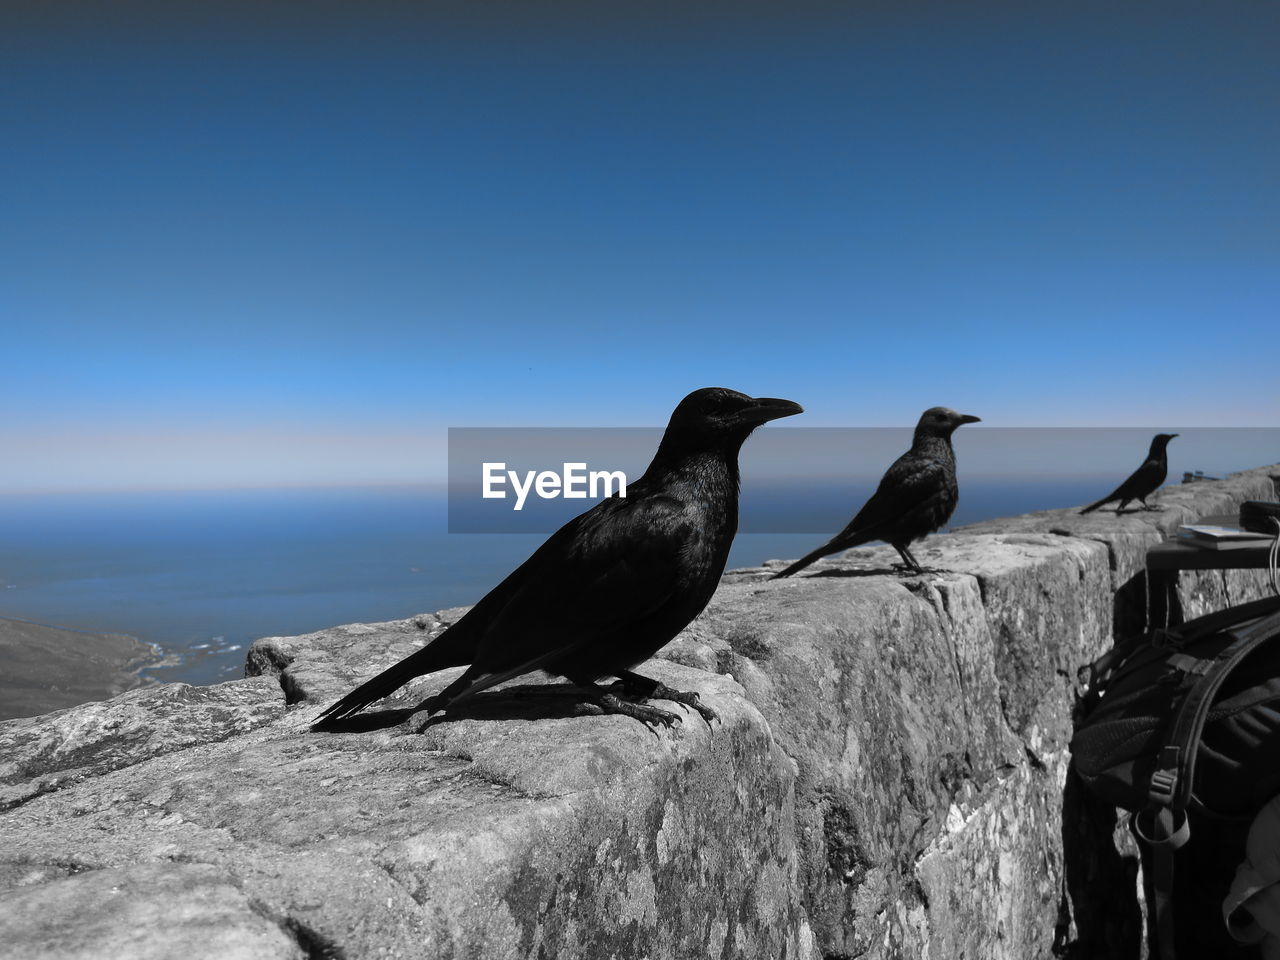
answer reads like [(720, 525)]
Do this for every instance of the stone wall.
[(886, 779)]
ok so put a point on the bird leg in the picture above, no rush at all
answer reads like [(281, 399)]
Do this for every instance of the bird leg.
[(541, 690), (605, 700), (912, 564), (637, 685), (441, 700)]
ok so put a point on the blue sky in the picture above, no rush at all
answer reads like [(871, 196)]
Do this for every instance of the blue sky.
[(295, 243)]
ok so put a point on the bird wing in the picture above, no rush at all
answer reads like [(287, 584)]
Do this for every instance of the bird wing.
[(1141, 482), (598, 575), (608, 567), (912, 483)]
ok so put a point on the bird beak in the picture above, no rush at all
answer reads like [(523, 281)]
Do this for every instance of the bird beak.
[(764, 409), (969, 418), (1172, 435)]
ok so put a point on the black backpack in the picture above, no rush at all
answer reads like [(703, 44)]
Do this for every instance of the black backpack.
[(1183, 729)]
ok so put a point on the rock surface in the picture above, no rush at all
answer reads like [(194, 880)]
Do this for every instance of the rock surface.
[(886, 779), (144, 911)]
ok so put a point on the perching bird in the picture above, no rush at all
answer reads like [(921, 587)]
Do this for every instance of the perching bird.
[(1145, 480), (612, 586), (916, 496)]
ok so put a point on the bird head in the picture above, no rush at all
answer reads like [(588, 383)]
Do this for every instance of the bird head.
[(1160, 441), (715, 416), (942, 422)]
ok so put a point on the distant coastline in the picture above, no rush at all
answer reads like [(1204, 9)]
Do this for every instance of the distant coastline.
[(45, 668)]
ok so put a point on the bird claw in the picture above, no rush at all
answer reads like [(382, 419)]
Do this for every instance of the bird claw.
[(688, 698), (648, 715), (660, 691)]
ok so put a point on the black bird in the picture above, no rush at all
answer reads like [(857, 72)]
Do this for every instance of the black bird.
[(1145, 480), (916, 496), (612, 586)]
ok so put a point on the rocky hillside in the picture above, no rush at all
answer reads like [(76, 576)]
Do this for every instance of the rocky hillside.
[(43, 667)]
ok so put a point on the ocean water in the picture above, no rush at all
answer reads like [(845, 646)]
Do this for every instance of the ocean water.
[(202, 574)]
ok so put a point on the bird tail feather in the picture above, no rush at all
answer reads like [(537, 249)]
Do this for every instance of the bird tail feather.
[(444, 651), (1094, 506), (808, 558)]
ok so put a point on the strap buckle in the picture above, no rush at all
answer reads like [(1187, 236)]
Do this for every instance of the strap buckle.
[(1164, 781)]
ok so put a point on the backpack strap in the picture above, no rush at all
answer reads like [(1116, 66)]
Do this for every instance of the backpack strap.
[(1175, 770), (1211, 623), (1167, 831), (1166, 827), (1096, 676)]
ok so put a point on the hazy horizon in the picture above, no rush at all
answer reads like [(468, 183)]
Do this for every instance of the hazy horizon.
[(791, 452)]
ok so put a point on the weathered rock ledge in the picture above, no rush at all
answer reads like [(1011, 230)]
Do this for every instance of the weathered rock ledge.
[(886, 779)]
